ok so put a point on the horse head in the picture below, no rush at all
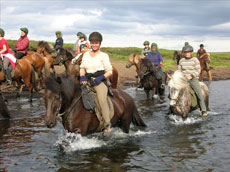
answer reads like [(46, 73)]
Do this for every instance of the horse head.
[(179, 93), (59, 94), (134, 59), (146, 67), (52, 97), (44, 46), (63, 55)]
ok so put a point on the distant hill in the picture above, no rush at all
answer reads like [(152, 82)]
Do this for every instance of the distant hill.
[(218, 59)]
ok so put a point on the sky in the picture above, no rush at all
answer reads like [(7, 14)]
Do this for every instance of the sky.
[(123, 23)]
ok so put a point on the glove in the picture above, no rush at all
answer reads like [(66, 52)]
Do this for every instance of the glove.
[(82, 78), (73, 61), (160, 64), (98, 79)]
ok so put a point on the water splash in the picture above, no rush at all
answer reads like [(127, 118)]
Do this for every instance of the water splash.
[(192, 119), (70, 142)]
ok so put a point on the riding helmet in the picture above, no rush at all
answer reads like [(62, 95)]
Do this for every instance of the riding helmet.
[(25, 30), (95, 36), (201, 45), (2, 32), (146, 43), (188, 48), (58, 32)]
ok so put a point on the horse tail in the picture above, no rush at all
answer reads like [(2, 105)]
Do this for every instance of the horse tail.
[(136, 119), (46, 67), (33, 79), (3, 108)]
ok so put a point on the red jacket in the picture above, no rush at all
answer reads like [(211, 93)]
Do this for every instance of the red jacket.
[(22, 45)]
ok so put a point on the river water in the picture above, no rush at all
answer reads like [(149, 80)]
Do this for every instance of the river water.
[(167, 144)]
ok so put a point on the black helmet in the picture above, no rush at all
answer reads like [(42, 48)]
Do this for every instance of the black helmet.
[(95, 36), (201, 45), (188, 48), (2, 32)]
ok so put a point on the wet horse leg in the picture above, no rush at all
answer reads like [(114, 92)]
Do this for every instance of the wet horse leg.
[(40, 76), (209, 77), (202, 75), (30, 87)]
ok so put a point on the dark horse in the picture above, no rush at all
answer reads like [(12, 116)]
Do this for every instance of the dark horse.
[(177, 57), (148, 78), (64, 93), (65, 56), (3, 108)]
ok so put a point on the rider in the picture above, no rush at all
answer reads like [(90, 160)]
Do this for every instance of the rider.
[(190, 67), (96, 64), (22, 44), (146, 49), (77, 42), (155, 57), (201, 51), (185, 44), (59, 41), (82, 43), (7, 57)]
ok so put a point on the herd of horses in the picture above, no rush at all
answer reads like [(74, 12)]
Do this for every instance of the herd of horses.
[(63, 96)]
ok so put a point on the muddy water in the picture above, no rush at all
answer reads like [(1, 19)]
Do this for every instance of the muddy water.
[(167, 144)]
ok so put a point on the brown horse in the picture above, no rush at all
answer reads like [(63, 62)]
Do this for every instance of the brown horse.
[(24, 73), (64, 93), (46, 50), (148, 78), (135, 60), (38, 63), (204, 64), (177, 56), (65, 56)]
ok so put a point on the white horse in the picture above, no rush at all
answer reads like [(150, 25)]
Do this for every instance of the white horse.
[(180, 95)]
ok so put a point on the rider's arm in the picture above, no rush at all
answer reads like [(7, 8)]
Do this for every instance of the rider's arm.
[(3, 49)]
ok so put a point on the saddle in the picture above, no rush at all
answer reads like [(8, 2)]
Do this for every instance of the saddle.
[(91, 104)]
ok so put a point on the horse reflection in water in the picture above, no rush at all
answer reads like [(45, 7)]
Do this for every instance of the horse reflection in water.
[(64, 93), (4, 112), (180, 95)]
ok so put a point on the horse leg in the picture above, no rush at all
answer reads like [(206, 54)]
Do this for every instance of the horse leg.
[(18, 95), (30, 88), (40, 76), (147, 93), (201, 75), (209, 77), (52, 67)]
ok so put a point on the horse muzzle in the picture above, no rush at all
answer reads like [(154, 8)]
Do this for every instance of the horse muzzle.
[(128, 66)]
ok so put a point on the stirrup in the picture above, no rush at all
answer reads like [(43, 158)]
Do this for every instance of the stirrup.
[(162, 86)]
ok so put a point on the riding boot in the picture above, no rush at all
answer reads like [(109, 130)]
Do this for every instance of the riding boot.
[(9, 78), (107, 129)]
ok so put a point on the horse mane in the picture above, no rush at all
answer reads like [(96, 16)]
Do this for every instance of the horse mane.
[(47, 46), (147, 63), (178, 80), (62, 83)]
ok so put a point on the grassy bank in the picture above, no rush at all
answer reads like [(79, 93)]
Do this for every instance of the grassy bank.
[(219, 59)]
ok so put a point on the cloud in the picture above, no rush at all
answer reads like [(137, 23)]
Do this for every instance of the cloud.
[(123, 23)]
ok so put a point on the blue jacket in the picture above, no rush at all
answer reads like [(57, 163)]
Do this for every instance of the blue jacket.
[(155, 58)]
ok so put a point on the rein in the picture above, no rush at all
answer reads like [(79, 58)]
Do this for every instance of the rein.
[(70, 108)]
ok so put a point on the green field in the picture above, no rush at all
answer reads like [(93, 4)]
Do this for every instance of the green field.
[(218, 59)]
